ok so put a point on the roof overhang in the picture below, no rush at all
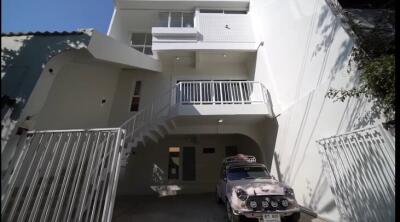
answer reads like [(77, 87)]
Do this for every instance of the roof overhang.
[(181, 4)]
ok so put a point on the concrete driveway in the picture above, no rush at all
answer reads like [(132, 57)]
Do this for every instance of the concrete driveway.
[(181, 208)]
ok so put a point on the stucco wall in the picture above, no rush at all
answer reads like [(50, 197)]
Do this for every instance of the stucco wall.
[(139, 174), (305, 52), (74, 100), (212, 28)]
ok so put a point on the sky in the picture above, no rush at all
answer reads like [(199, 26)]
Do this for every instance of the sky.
[(55, 15)]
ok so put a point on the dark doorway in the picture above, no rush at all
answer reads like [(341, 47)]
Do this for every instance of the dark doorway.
[(189, 163)]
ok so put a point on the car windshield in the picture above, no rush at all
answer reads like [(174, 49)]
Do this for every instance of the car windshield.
[(239, 173)]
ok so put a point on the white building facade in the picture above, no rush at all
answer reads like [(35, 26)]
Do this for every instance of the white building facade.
[(193, 81)]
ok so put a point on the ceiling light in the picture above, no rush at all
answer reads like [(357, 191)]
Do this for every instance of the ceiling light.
[(225, 55), (177, 58), (220, 121)]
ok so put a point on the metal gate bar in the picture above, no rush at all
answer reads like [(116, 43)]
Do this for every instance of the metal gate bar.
[(360, 166), (64, 175)]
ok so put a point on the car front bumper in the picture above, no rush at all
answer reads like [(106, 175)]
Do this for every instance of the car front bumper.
[(258, 214)]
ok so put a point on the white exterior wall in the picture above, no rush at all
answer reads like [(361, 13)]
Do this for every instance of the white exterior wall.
[(212, 27), (74, 100), (306, 52), (139, 173), (117, 30)]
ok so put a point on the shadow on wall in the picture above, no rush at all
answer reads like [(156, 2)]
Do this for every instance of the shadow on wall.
[(21, 67), (361, 169)]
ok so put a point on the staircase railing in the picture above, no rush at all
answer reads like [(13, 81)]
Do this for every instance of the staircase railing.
[(64, 175), (197, 93)]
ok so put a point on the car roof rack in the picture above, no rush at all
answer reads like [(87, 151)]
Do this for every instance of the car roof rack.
[(239, 159)]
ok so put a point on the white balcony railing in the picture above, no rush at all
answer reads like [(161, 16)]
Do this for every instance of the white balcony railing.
[(221, 92), (197, 93)]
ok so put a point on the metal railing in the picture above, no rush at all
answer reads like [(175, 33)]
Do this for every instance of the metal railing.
[(360, 166), (64, 175), (220, 92), (197, 92)]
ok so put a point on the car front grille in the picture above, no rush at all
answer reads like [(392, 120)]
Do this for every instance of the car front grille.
[(261, 198)]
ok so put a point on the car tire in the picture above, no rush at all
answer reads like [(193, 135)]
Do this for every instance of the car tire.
[(295, 217), (231, 217)]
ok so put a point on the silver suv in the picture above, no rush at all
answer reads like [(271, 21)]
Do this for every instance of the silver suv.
[(248, 190)]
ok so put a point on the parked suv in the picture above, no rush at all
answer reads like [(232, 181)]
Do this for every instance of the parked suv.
[(248, 190)]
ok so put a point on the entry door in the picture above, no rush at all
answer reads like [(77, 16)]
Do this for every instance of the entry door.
[(189, 163)]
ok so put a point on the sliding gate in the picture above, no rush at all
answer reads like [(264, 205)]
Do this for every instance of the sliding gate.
[(63, 175)]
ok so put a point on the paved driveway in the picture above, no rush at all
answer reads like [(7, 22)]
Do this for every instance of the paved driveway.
[(181, 208)]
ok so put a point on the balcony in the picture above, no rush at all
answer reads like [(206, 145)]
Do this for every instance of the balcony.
[(222, 98)]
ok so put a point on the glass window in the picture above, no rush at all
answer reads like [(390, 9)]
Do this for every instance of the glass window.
[(235, 12), (138, 38), (187, 19), (148, 51), (142, 42), (135, 104), (176, 19), (163, 19), (254, 172), (210, 11), (138, 87)]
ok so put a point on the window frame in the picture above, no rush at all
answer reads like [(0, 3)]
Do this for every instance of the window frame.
[(181, 18), (135, 95), (145, 45)]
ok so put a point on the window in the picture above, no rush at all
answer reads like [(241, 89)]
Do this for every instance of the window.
[(174, 162), (176, 19), (142, 42), (239, 173), (135, 100), (220, 11), (209, 150)]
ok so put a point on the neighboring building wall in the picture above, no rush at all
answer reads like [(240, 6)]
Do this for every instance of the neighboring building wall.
[(305, 52), (23, 62), (149, 165)]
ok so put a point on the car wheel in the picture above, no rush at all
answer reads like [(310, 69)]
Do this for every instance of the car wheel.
[(231, 217), (295, 217)]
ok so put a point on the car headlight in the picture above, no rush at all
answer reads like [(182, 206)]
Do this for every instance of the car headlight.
[(274, 203), (253, 204), (284, 203), (241, 194), (289, 192)]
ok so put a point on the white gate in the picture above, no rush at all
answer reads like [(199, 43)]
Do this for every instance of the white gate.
[(63, 175), (360, 165)]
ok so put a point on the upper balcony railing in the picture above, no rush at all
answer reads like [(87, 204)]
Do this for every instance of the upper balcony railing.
[(220, 92)]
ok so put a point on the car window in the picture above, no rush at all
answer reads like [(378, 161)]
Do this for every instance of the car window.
[(239, 173)]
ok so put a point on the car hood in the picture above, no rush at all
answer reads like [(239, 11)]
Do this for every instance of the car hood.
[(259, 186)]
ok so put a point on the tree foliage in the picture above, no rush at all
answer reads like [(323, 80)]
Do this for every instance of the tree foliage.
[(373, 57)]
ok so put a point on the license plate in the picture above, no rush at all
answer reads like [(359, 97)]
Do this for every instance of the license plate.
[(271, 218)]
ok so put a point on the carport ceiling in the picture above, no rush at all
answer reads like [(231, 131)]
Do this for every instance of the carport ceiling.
[(226, 120)]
